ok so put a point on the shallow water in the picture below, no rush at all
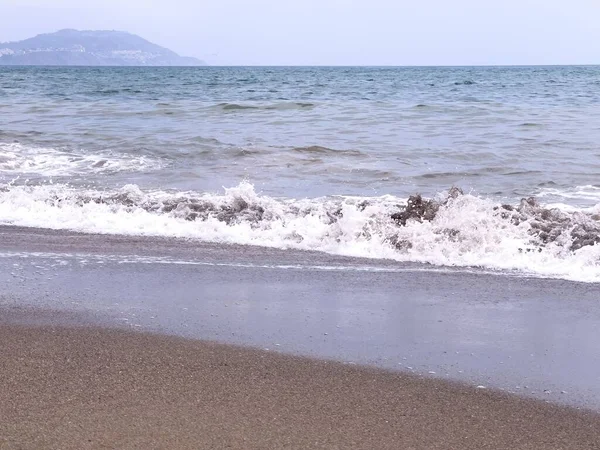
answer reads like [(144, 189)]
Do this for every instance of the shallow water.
[(524, 335)]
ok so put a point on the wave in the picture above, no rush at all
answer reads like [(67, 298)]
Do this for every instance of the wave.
[(319, 150), (235, 106), (590, 193), (269, 107), (16, 158), (454, 229)]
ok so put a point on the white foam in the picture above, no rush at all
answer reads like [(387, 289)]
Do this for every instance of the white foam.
[(18, 159), (578, 194), (84, 258), (484, 239)]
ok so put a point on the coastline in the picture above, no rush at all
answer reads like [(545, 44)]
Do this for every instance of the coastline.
[(94, 387), (528, 336), (307, 257)]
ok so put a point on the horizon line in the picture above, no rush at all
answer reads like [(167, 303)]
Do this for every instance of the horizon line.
[(207, 65)]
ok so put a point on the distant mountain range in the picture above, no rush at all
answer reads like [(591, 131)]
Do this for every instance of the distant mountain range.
[(90, 48)]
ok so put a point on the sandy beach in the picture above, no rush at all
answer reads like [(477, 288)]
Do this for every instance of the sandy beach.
[(114, 342), (532, 337), (89, 387)]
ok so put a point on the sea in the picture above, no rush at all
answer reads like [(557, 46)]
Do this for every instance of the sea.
[(493, 169)]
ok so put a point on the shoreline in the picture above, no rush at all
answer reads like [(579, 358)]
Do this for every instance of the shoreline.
[(23, 240), (90, 386), (532, 337)]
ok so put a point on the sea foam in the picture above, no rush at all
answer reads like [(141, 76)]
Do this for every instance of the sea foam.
[(19, 159), (466, 231)]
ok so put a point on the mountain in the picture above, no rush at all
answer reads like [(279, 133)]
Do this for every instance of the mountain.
[(90, 48)]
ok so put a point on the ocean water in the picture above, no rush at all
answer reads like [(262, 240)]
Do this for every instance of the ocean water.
[(319, 159)]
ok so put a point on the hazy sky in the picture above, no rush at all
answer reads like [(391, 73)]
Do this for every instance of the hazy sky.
[(334, 32)]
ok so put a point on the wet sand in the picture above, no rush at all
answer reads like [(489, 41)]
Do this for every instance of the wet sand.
[(530, 336), (74, 375), (91, 387)]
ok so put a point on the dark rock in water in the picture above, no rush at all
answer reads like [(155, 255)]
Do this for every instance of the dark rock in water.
[(362, 205), (507, 207), (421, 209), (240, 211), (418, 209), (546, 225), (528, 204), (190, 209), (585, 234), (504, 214), (334, 216), (455, 192), (400, 244), (451, 233)]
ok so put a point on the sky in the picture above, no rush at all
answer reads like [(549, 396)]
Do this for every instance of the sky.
[(334, 32)]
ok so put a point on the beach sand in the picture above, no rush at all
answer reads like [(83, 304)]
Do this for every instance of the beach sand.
[(89, 387)]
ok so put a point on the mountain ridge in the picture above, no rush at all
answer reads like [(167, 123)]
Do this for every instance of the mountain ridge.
[(70, 47)]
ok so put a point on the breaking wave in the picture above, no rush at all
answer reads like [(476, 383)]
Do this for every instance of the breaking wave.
[(453, 229), (589, 193), (18, 159)]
